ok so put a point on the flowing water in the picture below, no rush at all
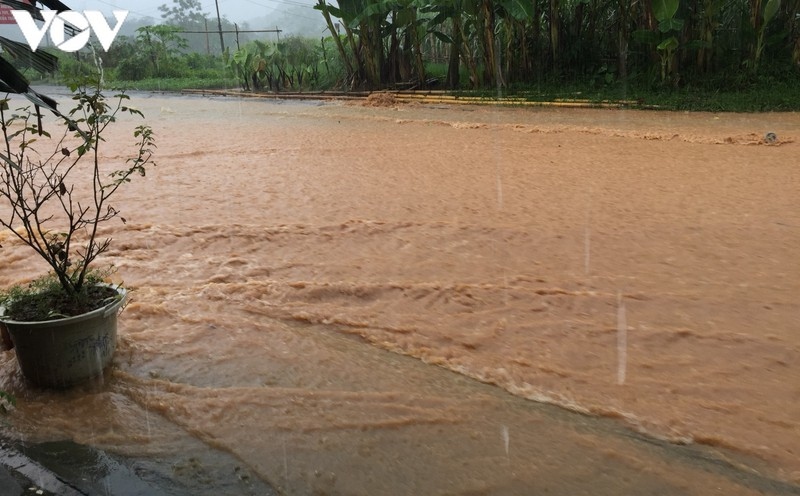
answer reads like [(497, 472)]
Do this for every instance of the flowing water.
[(451, 300)]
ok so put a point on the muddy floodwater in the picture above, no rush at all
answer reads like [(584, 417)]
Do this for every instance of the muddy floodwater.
[(423, 300)]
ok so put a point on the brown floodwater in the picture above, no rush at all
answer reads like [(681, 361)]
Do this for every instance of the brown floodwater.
[(427, 299)]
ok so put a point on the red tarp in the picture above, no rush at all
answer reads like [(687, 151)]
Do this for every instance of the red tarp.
[(5, 13)]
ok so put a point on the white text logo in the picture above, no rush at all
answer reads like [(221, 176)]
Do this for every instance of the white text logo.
[(90, 20)]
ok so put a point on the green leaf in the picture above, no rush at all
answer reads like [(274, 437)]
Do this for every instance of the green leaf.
[(697, 44), (240, 56), (670, 43), (6, 402), (770, 10), (665, 9), (443, 37), (645, 36), (440, 17), (520, 10), (777, 37), (404, 17), (668, 25)]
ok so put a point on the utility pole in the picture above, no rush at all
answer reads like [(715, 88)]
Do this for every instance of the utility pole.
[(208, 44), (219, 25)]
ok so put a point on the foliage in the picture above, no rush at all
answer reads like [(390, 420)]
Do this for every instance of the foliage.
[(188, 15), (767, 14), (178, 83), (44, 299), (75, 66), (183, 13), (160, 44), (505, 42), (155, 51), (654, 46), (290, 64), (27, 65), (57, 199), (7, 402)]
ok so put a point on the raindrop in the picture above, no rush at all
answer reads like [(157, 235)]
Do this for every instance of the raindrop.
[(622, 340), (587, 242), (98, 356), (147, 417), (499, 192), (506, 439), (285, 465), (587, 234)]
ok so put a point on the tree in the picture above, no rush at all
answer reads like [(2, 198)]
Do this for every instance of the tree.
[(184, 13), (160, 44), (503, 42)]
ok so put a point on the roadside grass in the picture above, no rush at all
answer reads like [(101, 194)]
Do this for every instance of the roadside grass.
[(772, 91), (730, 93), (176, 84)]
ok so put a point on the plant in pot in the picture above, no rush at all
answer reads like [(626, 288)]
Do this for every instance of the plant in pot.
[(63, 324)]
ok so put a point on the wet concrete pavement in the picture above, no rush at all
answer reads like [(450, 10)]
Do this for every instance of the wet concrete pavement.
[(67, 469)]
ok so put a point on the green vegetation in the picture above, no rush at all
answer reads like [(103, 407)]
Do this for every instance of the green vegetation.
[(177, 83), (7, 402), (45, 299), (507, 43), (677, 54), (45, 191), (293, 64)]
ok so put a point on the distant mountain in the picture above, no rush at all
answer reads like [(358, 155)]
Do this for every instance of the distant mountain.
[(292, 20), (133, 23)]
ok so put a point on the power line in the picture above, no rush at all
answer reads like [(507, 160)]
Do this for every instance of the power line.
[(284, 2), (124, 8), (235, 31)]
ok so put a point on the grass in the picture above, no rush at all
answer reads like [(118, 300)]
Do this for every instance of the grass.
[(771, 97), (177, 84), (756, 99), (764, 97), (728, 93), (768, 92)]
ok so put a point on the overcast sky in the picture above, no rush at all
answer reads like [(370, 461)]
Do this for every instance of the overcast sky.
[(234, 10)]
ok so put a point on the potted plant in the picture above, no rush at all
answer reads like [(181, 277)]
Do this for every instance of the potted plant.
[(63, 324)]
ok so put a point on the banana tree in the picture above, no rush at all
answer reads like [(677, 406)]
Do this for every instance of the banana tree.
[(760, 19), (512, 15), (405, 28), (666, 50), (447, 24), (793, 27), (366, 19), (555, 31), (328, 11), (664, 12), (416, 30), (709, 22)]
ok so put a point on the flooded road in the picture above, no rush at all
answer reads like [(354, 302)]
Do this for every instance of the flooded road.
[(436, 300)]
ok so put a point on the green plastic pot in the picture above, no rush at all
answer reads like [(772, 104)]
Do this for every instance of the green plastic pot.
[(64, 352)]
